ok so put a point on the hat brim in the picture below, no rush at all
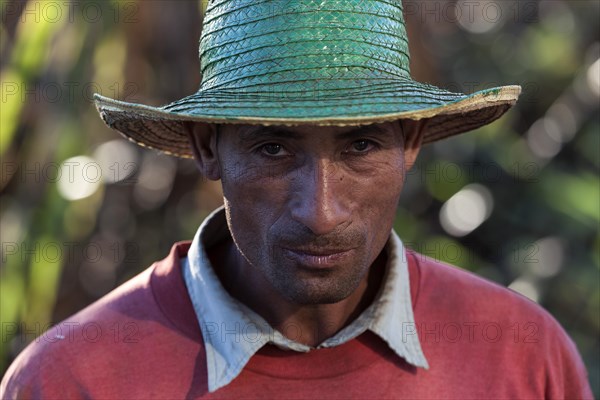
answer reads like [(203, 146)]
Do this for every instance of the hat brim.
[(448, 114)]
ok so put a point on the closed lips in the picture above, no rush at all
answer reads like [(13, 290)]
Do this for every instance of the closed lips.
[(318, 252)]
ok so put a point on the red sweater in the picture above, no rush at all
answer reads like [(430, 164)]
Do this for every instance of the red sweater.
[(143, 341)]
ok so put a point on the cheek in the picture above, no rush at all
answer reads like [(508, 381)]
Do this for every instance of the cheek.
[(378, 208), (384, 183), (253, 201)]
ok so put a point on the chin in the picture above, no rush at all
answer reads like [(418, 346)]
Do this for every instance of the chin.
[(309, 286), (317, 291), (307, 299)]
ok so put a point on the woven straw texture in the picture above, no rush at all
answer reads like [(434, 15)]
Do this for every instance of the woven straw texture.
[(326, 62)]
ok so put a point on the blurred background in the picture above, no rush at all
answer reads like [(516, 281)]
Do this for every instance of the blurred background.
[(83, 210)]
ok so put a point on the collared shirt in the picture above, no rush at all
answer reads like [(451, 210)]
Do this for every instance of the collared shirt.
[(233, 333)]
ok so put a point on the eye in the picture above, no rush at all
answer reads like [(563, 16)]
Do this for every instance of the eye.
[(273, 150), (361, 146)]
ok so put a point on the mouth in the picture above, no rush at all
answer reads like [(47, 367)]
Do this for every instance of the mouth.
[(317, 258)]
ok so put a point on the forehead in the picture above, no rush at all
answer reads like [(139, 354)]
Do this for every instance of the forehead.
[(249, 132)]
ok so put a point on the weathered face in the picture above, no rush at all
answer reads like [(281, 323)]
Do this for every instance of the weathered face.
[(311, 208)]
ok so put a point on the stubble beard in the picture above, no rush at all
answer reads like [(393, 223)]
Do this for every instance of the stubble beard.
[(313, 287)]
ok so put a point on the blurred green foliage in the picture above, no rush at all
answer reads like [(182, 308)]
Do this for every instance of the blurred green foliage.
[(64, 245)]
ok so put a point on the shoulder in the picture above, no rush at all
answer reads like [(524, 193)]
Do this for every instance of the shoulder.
[(48, 364), (458, 311), (107, 343), (446, 293), (456, 291)]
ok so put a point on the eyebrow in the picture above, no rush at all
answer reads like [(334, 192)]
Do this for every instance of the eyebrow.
[(363, 130), (254, 132)]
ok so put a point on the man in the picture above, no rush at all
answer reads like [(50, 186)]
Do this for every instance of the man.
[(298, 287)]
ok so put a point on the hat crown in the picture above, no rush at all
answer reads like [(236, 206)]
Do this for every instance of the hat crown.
[(305, 62), (247, 43)]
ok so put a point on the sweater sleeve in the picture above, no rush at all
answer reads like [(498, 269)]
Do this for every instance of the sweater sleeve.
[(566, 377), (39, 372)]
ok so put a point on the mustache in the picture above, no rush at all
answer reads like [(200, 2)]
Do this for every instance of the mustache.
[(303, 238)]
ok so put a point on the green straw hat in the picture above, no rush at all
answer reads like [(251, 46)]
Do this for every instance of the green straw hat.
[(305, 62)]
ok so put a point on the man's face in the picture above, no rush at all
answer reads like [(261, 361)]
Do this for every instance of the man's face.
[(311, 208)]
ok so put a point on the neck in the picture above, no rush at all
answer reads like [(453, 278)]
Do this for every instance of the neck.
[(309, 324)]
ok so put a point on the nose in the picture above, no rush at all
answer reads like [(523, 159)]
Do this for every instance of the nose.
[(319, 199)]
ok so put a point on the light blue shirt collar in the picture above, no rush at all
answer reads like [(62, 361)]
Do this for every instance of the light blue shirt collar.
[(233, 333)]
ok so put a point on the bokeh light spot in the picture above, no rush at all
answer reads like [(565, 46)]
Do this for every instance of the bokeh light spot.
[(527, 288), (118, 160), (547, 257), (466, 210), (478, 17), (543, 138), (155, 181), (80, 177), (593, 77)]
